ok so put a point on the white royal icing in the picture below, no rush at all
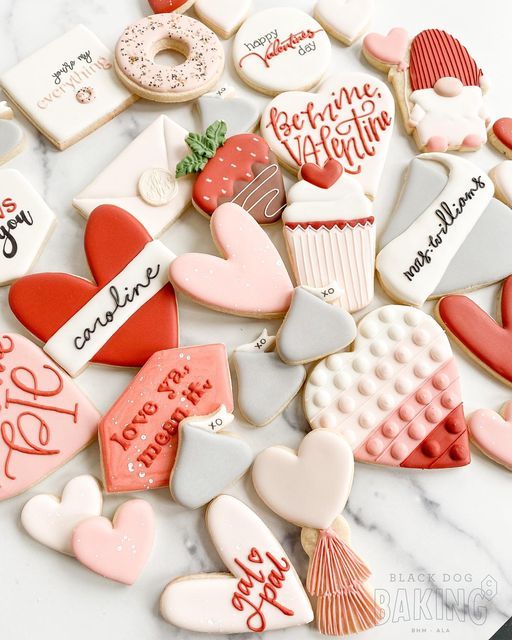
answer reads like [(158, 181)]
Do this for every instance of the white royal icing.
[(348, 19), (223, 16), (213, 422)]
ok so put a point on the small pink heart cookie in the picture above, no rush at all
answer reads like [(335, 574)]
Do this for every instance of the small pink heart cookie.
[(250, 281), (117, 550), (492, 433), (390, 49)]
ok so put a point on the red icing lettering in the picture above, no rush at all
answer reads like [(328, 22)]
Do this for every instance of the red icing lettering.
[(277, 47)]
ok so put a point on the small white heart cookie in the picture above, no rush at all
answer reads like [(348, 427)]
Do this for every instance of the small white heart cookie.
[(345, 20)]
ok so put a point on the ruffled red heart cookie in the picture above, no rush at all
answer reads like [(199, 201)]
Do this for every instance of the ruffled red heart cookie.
[(125, 317)]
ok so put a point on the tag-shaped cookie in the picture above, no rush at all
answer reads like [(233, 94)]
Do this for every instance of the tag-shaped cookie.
[(396, 398), (240, 114)]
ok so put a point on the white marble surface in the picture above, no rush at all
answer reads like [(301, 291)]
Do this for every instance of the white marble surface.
[(407, 524)]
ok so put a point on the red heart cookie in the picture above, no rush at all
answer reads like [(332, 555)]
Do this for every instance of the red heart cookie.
[(123, 319), (167, 6), (502, 129), (323, 177), (488, 342)]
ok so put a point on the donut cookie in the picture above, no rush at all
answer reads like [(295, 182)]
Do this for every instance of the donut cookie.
[(345, 20), (500, 136), (140, 42), (68, 88), (396, 398), (12, 138), (491, 432), (439, 87), (223, 16), (281, 49)]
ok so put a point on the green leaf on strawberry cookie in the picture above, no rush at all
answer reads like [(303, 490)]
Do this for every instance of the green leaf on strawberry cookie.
[(191, 164), (216, 132), (201, 145)]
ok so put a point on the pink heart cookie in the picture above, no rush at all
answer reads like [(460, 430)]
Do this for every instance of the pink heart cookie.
[(44, 418), (492, 433), (117, 550), (251, 281), (390, 49)]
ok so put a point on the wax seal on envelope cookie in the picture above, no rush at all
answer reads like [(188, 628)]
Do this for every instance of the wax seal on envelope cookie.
[(491, 432), (138, 45), (310, 488), (345, 20), (439, 87), (396, 398), (208, 460), (266, 384), (438, 245), (261, 592), (240, 114), (250, 280), (12, 138), (26, 222), (45, 419), (357, 114), (141, 179), (281, 49), (139, 434), (123, 318), (329, 231), (223, 16), (241, 169), (50, 87)]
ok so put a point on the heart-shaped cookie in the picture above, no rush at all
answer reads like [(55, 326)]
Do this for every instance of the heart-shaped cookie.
[(169, 6), (240, 114), (51, 520), (223, 16), (500, 136), (44, 418), (396, 398), (311, 487), (117, 550), (250, 281), (478, 334), (356, 112), (345, 20), (121, 320), (492, 433), (223, 603), (501, 175), (390, 49)]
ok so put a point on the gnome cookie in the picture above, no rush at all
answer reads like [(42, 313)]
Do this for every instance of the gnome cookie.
[(439, 86), (241, 169)]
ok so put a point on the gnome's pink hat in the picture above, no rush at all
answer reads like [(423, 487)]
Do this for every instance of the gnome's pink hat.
[(436, 54)]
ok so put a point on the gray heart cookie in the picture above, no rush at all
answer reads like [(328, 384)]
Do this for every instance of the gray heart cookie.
[(206, 464), (266, 385), (485, 256), (12, 140), (313, 329), (240, 115)]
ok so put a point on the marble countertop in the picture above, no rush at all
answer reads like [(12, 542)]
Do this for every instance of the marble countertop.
[(438, 542)]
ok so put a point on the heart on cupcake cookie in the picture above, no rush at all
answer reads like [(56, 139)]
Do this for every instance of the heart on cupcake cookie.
[(492, 433), (396, 398), (251, 280)]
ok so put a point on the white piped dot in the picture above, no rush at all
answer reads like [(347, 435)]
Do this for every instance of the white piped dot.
[(334, 362), (412, 318), (361, 364), (321, 398), (346, 404), (439, 353), (403, 354), (379, 348), (396, 332), (386, 314), (421, 369), (367, 420), (319, 377), (420, 337), (366, 387), (384, 371), (342, 381), (369, 329), (403, 385), (386, 402), (328, 421)]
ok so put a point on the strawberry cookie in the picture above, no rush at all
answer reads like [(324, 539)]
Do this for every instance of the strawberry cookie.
[(241, 169), (439, 87), (140, 42), (125, 317)]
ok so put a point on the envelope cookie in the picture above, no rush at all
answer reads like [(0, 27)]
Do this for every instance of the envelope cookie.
[(141, 179), (68, 88)]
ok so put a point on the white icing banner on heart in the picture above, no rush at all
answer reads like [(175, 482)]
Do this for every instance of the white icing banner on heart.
[(83, 335), (329, 293), (212, 422), (263, 343)]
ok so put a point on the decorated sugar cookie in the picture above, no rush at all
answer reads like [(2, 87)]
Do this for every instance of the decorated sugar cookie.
[(12, 138), (439, 87), (208, 460), (428, 197), (396, 398), (250, 280), (357, 114), (241, 169), (420, 254), (45, 419), (168, 6), (313, 328), (117, 550), (68, 88), (501, 175), (345, 20), (500, 136), (142, 178), (310, 489), (266, 385), (261, 592), (492, 433), (123, 318), (223, 16), (137, 69), (240, 114), (330, 233), (139, 434), (51, 520), (489, 342), (281, 49), (26, 223)]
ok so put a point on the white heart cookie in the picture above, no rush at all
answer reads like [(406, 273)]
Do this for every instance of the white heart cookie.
[(501, 175), (220, 603), (51, 520), (223, 16), (345, 20), (309, 488)]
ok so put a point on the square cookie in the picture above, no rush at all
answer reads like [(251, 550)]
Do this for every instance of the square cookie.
[(68, 88)]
